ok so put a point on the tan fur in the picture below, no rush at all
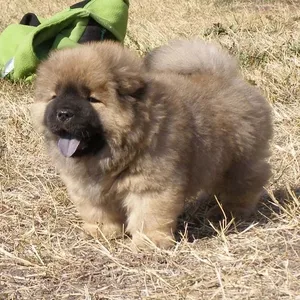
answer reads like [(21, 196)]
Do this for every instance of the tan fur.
[(200, 129)]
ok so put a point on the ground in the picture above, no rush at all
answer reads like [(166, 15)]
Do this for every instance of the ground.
[(43, 253)]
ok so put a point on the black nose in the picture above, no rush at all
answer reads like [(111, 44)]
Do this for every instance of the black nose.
[(64, 115)]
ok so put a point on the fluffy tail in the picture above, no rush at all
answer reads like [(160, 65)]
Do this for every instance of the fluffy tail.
[(191, 57)]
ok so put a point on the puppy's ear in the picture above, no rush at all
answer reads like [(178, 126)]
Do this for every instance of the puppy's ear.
[(131, 84), (128, 71)]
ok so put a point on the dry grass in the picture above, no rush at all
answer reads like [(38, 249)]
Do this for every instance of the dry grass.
[(43, 254)]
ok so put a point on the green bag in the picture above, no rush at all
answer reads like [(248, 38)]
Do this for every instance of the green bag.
[(24, 45)]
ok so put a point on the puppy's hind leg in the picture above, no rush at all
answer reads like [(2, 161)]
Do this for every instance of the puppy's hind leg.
[(241, 190)]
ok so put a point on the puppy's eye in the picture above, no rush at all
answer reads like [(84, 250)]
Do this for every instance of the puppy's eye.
[(53, 97), (93, 100)]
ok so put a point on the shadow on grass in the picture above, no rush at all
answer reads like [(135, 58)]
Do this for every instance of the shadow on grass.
[(194, 225)]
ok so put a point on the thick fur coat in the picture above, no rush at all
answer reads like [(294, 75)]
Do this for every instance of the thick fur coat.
[(133, 138)]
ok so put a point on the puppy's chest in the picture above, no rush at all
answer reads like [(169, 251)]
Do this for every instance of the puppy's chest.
[(96, 189)]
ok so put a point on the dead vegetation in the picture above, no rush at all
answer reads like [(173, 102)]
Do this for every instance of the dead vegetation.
[(43, 254)]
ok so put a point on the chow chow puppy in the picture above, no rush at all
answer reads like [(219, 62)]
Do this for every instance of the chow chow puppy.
[(133, 138)]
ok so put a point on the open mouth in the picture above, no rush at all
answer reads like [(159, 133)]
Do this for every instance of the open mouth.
[(71, 146)]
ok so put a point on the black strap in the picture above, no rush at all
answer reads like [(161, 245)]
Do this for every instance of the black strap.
[(95, 32), (30, 19), (80, 4), (84, 3)]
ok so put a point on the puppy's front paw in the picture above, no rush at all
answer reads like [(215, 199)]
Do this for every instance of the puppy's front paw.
[(150, 241), (107, 231), (90, 229)]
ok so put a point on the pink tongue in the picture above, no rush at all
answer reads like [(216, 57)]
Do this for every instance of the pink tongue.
[(68, 146)]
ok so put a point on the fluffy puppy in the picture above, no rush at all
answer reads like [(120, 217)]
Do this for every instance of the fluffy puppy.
[(131, 145)]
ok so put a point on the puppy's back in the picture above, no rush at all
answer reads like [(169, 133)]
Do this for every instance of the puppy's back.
[(189, 57)]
